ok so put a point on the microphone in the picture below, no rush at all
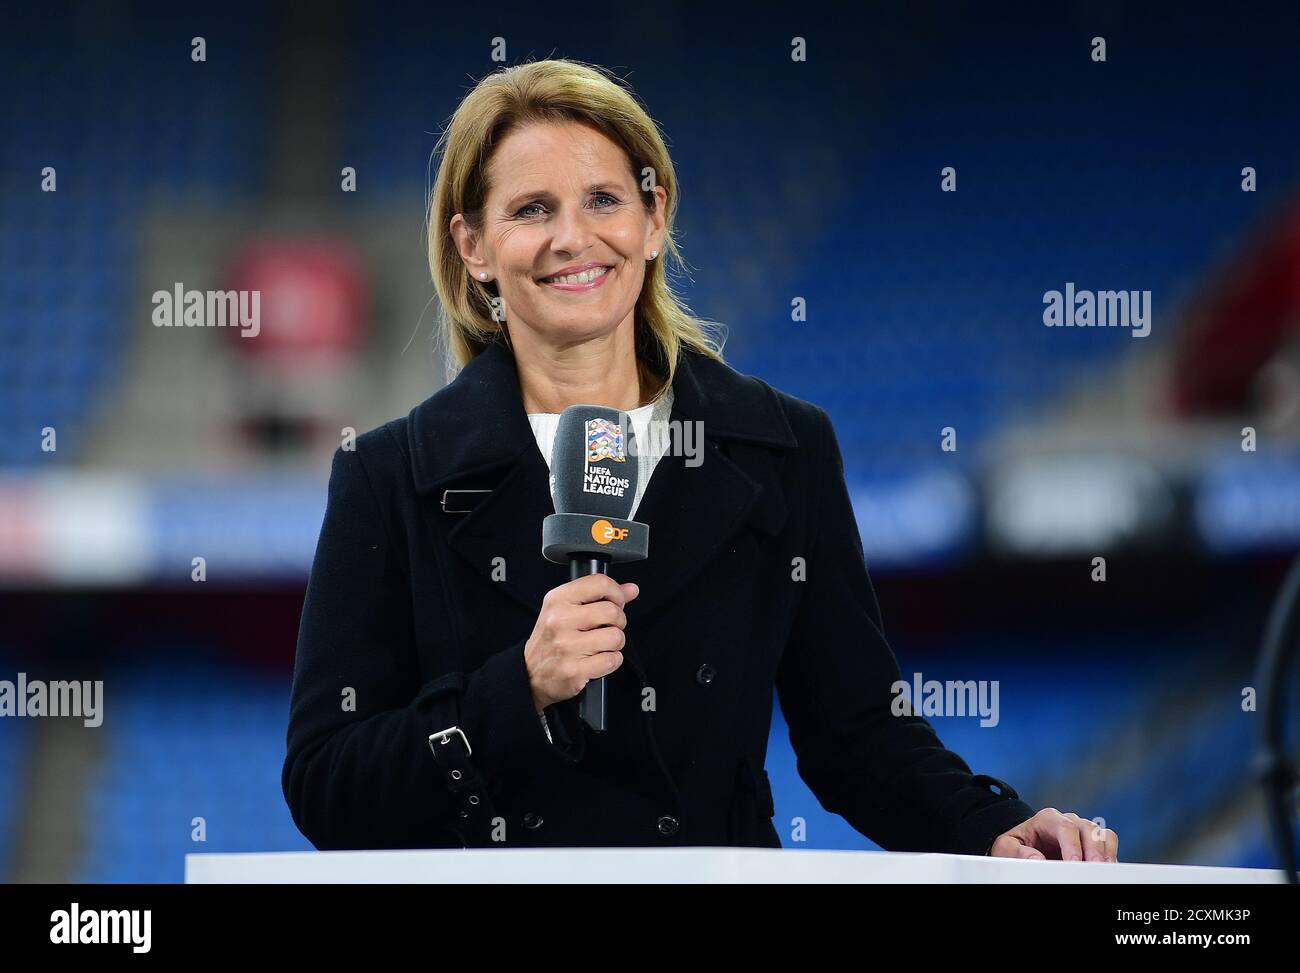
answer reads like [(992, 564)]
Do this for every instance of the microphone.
[(593, 483)]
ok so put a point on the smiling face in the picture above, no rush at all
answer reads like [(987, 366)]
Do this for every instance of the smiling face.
[(565, 233)]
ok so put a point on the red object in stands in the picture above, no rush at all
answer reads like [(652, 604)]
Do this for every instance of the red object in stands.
[(1242, 323), (311, 301)]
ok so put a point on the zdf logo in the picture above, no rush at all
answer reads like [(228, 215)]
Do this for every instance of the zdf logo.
[(602, 532)]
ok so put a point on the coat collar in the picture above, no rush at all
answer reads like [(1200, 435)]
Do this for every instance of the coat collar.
[(474, 434), (477, 422)]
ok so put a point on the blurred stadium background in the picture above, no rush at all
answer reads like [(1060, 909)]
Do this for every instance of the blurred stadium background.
[(819, 180)]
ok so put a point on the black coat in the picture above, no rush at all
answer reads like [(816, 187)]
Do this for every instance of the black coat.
[(404, 615)]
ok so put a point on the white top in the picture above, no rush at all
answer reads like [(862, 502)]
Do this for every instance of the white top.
[(649, 450)]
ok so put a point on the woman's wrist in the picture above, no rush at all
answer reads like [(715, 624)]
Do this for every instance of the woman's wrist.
[(539, 703)]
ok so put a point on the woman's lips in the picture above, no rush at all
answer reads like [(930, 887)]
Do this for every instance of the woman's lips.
[(589, 286)]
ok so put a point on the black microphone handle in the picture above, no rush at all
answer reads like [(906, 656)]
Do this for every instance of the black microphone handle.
[(591, 701)]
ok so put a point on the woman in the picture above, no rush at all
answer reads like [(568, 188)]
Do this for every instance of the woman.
[(440, 656)]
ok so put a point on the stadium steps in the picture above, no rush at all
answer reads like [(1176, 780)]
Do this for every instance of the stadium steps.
[(1236, 834), (1190, 739), (50, 828)]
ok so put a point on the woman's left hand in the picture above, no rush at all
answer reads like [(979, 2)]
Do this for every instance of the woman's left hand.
[(1051, 834)]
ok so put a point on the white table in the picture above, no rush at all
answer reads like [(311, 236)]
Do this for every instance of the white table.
[(691, 865)]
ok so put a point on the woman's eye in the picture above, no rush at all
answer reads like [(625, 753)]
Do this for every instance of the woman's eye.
[(524, 211)]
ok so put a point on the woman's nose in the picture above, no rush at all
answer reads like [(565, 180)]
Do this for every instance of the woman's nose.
[(572, 231)]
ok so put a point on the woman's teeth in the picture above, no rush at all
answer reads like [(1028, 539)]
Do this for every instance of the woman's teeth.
[(586, 277)]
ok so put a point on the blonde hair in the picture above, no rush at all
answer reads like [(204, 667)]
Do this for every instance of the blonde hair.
[(550, 91)]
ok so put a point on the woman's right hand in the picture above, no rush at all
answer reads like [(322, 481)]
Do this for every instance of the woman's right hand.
[(578, 637)]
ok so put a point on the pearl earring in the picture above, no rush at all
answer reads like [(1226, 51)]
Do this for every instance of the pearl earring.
[(653, 254), (482, 276)]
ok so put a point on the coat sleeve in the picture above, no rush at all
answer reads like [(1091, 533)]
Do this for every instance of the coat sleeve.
[(889, 776), (358, 770)]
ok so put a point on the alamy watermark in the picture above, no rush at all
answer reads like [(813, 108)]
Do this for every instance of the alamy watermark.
[(77, 926), (84, 699), (930, 697), (179, 308), (662, 437), (1098, 309)]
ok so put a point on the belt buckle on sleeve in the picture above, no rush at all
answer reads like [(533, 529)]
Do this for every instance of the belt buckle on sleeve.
[(444, 738)]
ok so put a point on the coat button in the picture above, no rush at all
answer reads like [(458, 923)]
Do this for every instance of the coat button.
[(704, 674), (667, 825), (532, 821)]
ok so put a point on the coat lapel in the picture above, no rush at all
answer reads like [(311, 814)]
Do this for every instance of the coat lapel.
[(474, 434)]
